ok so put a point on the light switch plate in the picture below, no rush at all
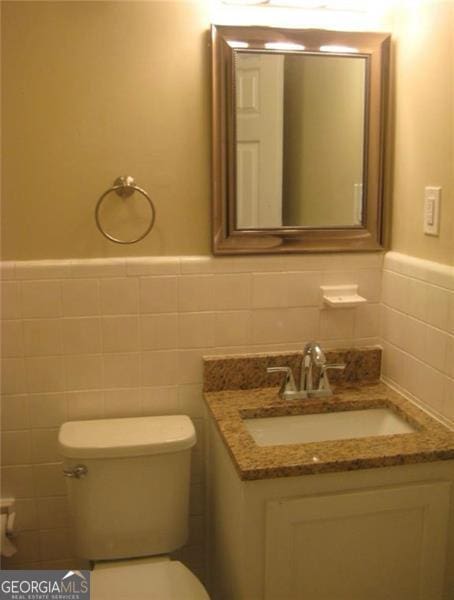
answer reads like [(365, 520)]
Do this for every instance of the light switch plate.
[(432, 197)]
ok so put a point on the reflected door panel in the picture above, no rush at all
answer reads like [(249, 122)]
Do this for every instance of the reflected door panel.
[(259, 135)]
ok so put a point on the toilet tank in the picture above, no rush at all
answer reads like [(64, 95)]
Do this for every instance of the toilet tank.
[(128, 484)]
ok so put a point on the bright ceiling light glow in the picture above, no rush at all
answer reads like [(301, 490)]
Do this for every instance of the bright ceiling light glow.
[(339, 49), (284, 46), (245, 2), (235, 44), (309, 4)]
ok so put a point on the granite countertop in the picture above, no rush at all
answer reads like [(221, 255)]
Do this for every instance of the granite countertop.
[(431, 441)]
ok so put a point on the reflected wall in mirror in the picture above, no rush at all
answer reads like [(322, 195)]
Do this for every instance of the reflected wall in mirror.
[(298, 139)]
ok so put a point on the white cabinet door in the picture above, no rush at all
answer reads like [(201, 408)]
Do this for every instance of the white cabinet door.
[(259, 107), (380, 544)]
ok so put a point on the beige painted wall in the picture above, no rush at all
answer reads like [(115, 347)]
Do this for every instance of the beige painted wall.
[(424, 118), (93, 90)]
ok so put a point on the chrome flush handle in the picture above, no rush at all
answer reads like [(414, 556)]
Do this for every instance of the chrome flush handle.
[(77, 472)]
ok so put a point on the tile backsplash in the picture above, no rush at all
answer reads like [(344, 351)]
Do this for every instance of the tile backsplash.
[(418, 330), (89, 339)]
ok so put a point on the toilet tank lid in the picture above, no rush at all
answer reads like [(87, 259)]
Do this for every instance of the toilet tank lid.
[(137, 436)]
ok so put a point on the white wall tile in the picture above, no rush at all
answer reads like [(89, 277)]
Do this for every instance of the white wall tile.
[(119, 296), (12, 339), (393, 326), (451, 313), (190, 365), (15, 412), (449, 362), (43, 269), (85, 404), (48, 410), (195, 293), (191, 401), (394, 291), (55, 544), (159, 368), (159, 332), (42, 337), (45, 374), (158, 295), (367, 321), (10, 300), (121, 370), (436, 346), (7, 270), (303, 289), (26, 515), (269, 290), (80, 297), (44, 446), (122, 403), (81, 335), (160, 401), (98, 267), (232, 328), (416, 299), (196, 330), (414, 337), (52, 512), (232, 291), (120, 334), (337, 324), (438, 307), (153, 265), (17, 481), (448, 401), (41, 299), (16, 447), (84, 372), (48, 480), (420, 325), (13, 380)]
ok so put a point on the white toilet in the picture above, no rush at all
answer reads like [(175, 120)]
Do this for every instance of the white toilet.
[(128, 485)]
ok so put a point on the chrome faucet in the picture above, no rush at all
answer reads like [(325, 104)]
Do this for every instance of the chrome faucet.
[(314, 378)]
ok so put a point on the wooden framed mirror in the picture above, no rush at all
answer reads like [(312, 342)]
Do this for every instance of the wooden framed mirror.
[(298, 139)]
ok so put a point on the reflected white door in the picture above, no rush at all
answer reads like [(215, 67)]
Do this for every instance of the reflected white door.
[(259, 101)]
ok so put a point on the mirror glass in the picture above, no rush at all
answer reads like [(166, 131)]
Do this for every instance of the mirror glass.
[(300, 130), (299, 136)]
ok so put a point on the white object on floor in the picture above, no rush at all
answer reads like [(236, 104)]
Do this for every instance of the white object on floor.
[(7, 548)]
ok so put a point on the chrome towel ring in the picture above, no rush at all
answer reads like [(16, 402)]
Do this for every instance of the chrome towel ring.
[(124, 187)]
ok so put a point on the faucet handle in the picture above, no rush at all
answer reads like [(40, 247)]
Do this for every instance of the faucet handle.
[(288, 383)]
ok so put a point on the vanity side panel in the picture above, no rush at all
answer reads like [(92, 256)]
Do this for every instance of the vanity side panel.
[(227, 526)]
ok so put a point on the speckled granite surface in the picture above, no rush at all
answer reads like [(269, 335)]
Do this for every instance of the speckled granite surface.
[(431, 442), (243, 372)]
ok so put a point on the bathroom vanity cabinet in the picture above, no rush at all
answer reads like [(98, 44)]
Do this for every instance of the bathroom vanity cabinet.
[(370, 534)]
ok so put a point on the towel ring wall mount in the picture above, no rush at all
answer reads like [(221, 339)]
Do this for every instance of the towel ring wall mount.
[(125, 187)]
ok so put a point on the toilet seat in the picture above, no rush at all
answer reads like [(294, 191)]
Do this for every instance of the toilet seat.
[(145, 579)]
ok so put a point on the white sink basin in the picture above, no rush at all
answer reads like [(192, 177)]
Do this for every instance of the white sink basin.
[(300, 429)]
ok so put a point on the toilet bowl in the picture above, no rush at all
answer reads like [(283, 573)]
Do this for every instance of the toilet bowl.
[(128, 487)]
